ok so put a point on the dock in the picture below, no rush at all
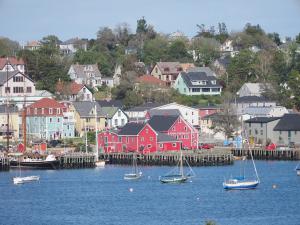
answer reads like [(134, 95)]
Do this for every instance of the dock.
[(199, 158), (77, 160), (4, 163), (262, 154)]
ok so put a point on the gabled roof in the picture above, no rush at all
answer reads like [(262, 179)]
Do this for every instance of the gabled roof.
[(11, 74), (69, 88), (262, 119), (254, 110), (110, 103), (161, 137), (256, 88), (162, 123), (150, 80), (11, 60), (131, 128), (199, 76), (43, 93), (109, 111), (82, 71), (46, 103), (249, 99), (84, 108), (33, 43), (164, 112), (289, 122), (206, 70), (169, 67)]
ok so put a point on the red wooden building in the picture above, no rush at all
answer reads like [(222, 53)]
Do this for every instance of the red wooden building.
[(161, 133)]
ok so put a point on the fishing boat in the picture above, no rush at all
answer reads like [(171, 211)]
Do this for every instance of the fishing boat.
[(28, 163), (177, 175), (98, 163), (135, 174), (242, 183)]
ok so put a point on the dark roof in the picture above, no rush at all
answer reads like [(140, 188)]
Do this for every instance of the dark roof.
[(164, 112), (224, 60), (247, 99), (146, 106), (164, 138), (289, 122), (6, 76), (11, 109), (131, 129), (110, 103), (162, 123), (262, 119), (199, 76)]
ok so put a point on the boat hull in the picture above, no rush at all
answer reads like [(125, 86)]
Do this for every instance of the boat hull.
[(132, 176), (298, 172), (173, 180), (22, 180), (35, 165), (241, 185), (100, 163)]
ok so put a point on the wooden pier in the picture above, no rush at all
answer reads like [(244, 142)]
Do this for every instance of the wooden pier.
[(4, 163), (77, 160), (201, 158), (286, 154)]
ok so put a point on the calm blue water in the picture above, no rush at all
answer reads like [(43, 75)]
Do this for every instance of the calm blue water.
[(101, 196)]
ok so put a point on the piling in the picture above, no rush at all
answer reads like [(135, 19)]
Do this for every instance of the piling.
[(77, 160), (262, 154)]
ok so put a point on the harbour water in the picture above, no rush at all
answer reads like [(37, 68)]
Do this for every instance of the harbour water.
[(101, 196)]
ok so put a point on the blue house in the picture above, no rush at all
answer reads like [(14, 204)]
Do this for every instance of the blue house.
[(49, 120), (197, 83)]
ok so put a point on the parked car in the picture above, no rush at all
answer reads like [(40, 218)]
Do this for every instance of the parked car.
[(206, 146)]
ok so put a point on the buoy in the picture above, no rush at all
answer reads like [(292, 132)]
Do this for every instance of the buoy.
[(131, 189), (274, 186), (198, 199)]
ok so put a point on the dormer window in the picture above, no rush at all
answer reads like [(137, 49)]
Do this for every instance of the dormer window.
[(213, 81), (35, 111), (50, 111), (58, 110), (166, 69), (42, 111)]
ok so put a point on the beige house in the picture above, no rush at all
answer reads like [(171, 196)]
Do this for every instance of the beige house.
[(167, 71), (14, 123), (85, 117)]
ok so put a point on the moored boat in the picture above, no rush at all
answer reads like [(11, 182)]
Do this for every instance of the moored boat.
[(135, 174), (22, 180), (238, 184), (49, 163)]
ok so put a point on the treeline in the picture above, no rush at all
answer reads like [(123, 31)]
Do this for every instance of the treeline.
[(271, 61)]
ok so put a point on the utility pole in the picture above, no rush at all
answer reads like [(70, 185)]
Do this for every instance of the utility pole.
[(7, 107)]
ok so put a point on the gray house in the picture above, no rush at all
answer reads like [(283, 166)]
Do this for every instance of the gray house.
[(287, 130), (260, 129)]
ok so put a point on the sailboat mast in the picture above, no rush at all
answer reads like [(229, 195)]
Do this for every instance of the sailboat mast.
[(181, 163), (7, 107), (96, 133), (85, 137)]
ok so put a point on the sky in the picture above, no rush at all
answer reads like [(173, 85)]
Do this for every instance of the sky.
[(26, 20)]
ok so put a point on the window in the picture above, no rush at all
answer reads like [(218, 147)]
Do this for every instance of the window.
[(184, 89), (7, 89), (161, 145), (50, 120), (105, 139), (17, 79), (122, 122), (57, 119), (185, 128), (18, 90), (249, 132), (58, 111), (127, 139), (151, 138), (119, 113), (174, 144), (116, 122), (42, 111), (261, 132), (147, 131), (295, 132), (28, 89), (120, 139), (149, 146), (156, 70), (249, 124), (50, 110), (142, 138), (35, 111), (261, 124), (173, 128), (256, 132), (87, 120)]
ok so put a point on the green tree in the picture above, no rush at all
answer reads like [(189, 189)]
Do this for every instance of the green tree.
[(275, 38), (177, 51), (155, 50), (294, 84), (8, 47), (142, 26)]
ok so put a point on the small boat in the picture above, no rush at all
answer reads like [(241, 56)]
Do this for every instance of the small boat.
[(135, 174), (177, 177), (298, 169), (22, 180), (100, 163), (241, 183)]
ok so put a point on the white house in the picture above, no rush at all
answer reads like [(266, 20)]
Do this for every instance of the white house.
[(12, 64), (253, 89), (273, 111), (115, 117), (86, 74), (107, 81), (72, 45), (188, 113), (73, 91)]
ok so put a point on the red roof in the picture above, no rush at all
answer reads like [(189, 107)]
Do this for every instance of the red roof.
[(148, 79), (68, 88), (11, 60), (43, 106)]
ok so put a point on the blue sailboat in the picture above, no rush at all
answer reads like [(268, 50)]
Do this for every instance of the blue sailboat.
[(242, 183)]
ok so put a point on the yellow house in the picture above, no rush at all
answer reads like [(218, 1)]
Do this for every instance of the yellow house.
[(13, 123), (85, 117)]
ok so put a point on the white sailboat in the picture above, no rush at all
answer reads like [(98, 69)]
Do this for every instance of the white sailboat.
[(98, 163), (298, 169), (24, 179), (242, 183), (136, 173), (177, 175)]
